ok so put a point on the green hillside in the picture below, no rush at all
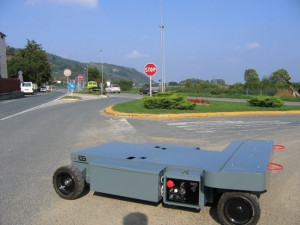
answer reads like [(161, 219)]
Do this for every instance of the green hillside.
[(111, 72)]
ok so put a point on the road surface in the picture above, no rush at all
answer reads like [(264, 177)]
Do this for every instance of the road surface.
[(35, 142)]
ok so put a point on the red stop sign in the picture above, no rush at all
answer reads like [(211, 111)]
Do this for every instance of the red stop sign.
[(150, 69), (80, 77)]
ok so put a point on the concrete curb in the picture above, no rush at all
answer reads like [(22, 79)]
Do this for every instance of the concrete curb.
[(82, 97), (110, 111), (11, 95)]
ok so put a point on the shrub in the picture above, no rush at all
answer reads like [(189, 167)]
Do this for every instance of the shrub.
[(265, 101), (168, 100)]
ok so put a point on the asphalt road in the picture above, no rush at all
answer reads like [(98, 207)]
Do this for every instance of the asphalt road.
[(13, 107), (34, 143)]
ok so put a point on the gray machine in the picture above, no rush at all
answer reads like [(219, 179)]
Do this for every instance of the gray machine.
[(177, 175)]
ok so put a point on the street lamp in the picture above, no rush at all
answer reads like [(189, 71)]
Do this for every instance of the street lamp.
[(86, 78), (101, 51), (163, 78)]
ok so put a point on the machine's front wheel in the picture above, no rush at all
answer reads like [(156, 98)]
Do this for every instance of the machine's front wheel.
[(238, 208), (68, 182)]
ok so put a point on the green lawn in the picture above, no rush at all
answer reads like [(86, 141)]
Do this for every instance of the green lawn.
[(136, 106)]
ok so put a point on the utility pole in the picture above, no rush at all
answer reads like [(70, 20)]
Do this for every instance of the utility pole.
[(101, 51), (163, 78)]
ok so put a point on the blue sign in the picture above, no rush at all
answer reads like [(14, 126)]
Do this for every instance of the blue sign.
[(71, 85)]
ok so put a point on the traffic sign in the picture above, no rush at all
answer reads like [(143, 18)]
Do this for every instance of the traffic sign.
[(71, 85), (80, 77), (67, 72), (150, 69)]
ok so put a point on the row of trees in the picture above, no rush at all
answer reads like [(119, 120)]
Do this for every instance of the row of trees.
[(277, 80), (253, 85)]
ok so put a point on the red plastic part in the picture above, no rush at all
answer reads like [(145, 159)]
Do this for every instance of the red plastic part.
[(274, 166), (278, 147), (170, 184)]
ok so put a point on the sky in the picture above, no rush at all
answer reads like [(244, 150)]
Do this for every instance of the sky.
[(203, 39)]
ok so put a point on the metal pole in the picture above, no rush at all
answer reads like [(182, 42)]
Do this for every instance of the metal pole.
[(150, 86), (87, 72), (162, 51), (101, 70)]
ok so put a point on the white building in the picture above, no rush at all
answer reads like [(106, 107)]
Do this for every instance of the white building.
[(3, 66)]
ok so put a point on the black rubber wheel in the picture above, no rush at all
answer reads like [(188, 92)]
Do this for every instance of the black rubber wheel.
[(68, 182), (238, 208)]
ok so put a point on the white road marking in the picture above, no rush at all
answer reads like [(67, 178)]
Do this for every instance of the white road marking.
[(31, 109), (213, 126)]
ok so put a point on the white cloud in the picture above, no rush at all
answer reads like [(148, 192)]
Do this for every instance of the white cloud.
[(253, 45), (84, 3), (136, 54)]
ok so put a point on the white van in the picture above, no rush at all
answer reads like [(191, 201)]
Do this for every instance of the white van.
[(27, 87)]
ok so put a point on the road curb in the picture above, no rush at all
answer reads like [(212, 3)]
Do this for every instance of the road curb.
[(110, 111)]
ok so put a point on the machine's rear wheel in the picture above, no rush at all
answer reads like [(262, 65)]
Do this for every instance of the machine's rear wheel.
[(68, 182), (238, 208)]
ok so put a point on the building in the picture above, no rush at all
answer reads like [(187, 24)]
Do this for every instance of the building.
[(3, 65)]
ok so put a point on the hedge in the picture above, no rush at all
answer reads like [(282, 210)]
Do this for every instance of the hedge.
[(265, 101)]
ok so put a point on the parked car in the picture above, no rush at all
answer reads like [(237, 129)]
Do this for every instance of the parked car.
[(43, 89), (27, 87), (92, 85), (113, 88), (146, 89)]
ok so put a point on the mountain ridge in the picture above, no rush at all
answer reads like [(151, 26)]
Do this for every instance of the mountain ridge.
[(111, 72)]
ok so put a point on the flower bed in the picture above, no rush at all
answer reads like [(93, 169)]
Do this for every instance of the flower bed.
[(199, 101)]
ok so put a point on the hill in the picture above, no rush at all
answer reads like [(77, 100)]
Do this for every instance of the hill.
[(111, 72)]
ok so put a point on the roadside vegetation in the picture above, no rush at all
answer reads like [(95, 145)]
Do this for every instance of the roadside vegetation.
[(37, 66), (137, 106)]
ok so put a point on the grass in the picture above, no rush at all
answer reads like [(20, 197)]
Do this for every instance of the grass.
[(71, 97), (136, 106)]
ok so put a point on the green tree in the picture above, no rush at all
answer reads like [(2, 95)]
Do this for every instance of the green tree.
[(266, 84), (32, 61), (125, 85), (278, 78), (252, 83), (250, 73), (10, 51), (94, 74), (236, 89), (218, 81), (188, 83), (173, 83)]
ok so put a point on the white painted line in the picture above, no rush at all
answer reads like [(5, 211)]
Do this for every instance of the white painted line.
[(28, 110)]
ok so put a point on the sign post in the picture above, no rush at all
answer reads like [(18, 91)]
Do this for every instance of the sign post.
[(79, 82), (67, 73), (150, 70), (71, 86)]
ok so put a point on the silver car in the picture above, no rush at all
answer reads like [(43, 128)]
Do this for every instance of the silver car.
[(113, 88), (43, 89)]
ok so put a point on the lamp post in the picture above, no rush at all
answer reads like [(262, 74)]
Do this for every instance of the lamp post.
[(101, 51), (163, 85), (86, 78)]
